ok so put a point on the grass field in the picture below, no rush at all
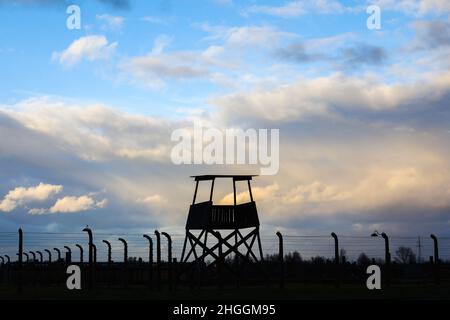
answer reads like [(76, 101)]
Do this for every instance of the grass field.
[(290, 292)]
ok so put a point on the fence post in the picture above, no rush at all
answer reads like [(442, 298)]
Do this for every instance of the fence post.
[(281, 257), (81, 252), (91, 262), (26, 256), (387, 258), (150, 260), (94, 249), (336, 258), (108, 244), (158, 259), (125, 260), (58, 252), (20, 254), (33, 255), (169, 256), (49, 256), (68, 254), (41, 257), (437, 277)]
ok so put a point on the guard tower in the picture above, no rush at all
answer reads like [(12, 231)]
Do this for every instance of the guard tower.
[(240, 221)]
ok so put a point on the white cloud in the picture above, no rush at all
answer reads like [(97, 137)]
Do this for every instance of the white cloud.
[(21, 195), (246, 36), (329, 95), (158, 20), (90, 48), (156, 68), (110, 22), (153, 200), (297, 8), (95, 132), (76, 204)]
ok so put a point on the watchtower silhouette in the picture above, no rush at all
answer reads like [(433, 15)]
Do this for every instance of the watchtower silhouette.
[(207, 218)]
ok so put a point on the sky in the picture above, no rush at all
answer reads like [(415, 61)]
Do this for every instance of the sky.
[(86, 115)]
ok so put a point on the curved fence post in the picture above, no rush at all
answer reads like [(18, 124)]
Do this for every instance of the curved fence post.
[(387, 258), (91, 257), (125, 260), (26, 256), (68, 254), (336, 258), (158, 259), (58, 252), (150, 260), (169, 257), (49, 255), (437, 277), (33, 255), (108, 245), (281, 257), (79, 246), (41, 256)]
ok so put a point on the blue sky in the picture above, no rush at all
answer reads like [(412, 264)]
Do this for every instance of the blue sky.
[(86, 115), (31, 34)]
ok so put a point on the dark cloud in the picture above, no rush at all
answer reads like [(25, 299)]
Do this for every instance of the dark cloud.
[(432, 34), (362, 54), (352, 56), (296, 53), (118, 4)]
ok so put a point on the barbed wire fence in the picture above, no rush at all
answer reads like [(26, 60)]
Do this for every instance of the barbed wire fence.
[(52, 251)]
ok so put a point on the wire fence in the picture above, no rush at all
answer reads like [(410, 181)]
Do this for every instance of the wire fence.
[(308, 246)]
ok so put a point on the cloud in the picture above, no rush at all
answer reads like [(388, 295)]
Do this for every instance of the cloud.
[(334, 51), (432, 34), (76, 204), (334, 171), (21, 195), (159, 20), (246, 36), (116, 4), (259, 194), (94, 132), (295, 9), (90, 48), (361, 54), (414, 7), (110, 22), (332, 95), (156, 68)]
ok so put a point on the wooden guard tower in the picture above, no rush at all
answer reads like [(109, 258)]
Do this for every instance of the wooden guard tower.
[(207, 218)]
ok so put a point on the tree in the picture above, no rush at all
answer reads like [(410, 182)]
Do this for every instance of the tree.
[(363, 259), (405, 255), (293, 257)]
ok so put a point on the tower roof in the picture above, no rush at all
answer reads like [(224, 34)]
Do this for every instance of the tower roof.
[(236, 177)]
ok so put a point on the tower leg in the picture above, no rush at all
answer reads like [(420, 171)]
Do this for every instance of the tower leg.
[(184, 248), (260, 246)]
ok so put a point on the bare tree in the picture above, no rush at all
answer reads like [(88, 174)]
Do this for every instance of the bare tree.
[(405, 255)]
